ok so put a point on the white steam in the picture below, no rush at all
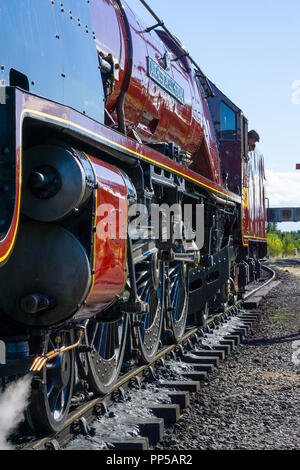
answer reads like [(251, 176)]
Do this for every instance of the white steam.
[(13, 402)]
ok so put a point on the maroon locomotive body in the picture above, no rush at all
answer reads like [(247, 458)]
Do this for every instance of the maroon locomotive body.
[(105, 122)]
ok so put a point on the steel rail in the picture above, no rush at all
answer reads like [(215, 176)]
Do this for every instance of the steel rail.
[(267, 268), (97, 406)]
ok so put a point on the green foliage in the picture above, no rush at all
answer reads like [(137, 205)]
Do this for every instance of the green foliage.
[(274, 245), (282, 244)]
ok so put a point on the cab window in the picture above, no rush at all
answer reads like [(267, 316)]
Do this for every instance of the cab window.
[(228, 123)]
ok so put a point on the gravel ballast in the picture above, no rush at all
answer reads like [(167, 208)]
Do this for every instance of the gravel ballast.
[(253, 400)]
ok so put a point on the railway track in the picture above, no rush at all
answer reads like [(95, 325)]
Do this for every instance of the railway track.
[(194, 341)]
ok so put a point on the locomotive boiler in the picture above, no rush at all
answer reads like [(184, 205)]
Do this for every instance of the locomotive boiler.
[(103, 120)]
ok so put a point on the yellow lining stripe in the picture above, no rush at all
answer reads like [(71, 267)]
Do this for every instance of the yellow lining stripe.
[(256, 238), (95, 220), (65, 121), (19, 196), (242, 229), (95, 238), (95, 233)]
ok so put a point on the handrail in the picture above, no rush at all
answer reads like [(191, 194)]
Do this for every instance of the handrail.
[(185, 53)]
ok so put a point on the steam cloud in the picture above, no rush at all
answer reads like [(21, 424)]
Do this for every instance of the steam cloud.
[(13, 402)]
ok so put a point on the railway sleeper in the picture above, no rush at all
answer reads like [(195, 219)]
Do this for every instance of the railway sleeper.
[(202, 359), (169, 413), (138, 443), (203, 362), (192, 386), (180, 398), (208, 368)]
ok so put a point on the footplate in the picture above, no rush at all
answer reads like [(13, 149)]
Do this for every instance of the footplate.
[(137, 307)]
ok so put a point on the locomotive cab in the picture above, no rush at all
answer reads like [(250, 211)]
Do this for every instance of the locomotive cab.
[(232, 136)]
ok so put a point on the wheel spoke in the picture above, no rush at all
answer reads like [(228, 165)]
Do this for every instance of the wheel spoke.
[(92, 333), (140, 276), (100, 343), (105, 361), (177, 299), (50, 403), (50, 388), (143, 288), (53, 397), (110, 343), (149, 278)]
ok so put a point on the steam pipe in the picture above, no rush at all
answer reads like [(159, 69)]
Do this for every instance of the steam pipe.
[(222, 202)]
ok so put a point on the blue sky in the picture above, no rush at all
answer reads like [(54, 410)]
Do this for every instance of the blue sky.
[(251, 51)]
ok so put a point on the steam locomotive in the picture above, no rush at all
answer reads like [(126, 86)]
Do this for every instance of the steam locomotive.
[(103, 119)]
